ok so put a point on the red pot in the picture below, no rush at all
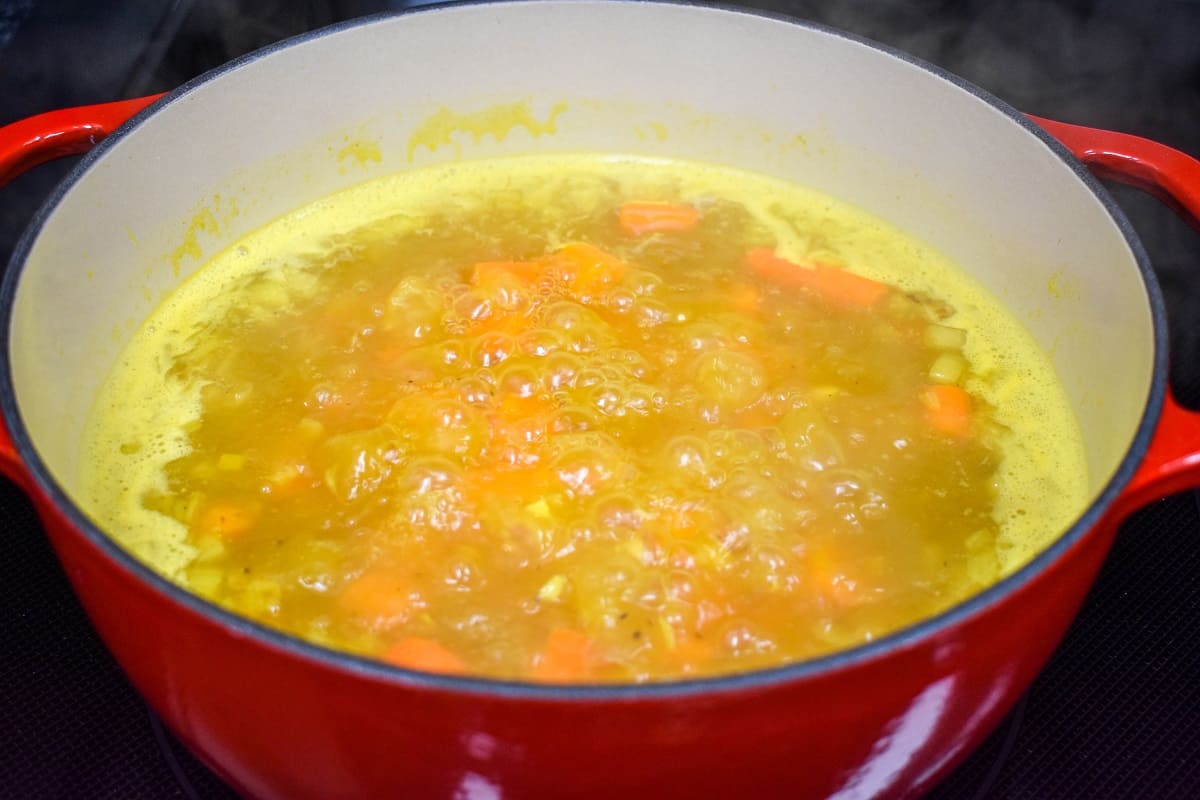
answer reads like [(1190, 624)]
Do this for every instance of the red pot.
[(277, 717)]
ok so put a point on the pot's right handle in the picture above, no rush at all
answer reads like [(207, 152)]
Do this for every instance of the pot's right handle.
[(38, 139), (10, 462), (35, 140), (1172, 462)]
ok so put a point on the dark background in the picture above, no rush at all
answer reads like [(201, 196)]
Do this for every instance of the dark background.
[(1116, 714)]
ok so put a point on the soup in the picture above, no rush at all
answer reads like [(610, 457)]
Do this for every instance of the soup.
[(583, 419)]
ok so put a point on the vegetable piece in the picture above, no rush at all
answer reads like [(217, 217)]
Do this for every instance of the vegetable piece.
[(943, 337), (228, 519), (947, 368), (564, 658), (514, 406), (948, 409), (526, 271), (289, 479), (586, 268), (839, 286), (416, 652), (378, 597), (552, 590), (520, 483), (828, 578), (539, 508), (640, 218)]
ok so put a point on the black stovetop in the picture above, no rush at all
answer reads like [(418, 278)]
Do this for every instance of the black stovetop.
[(1116, 713)]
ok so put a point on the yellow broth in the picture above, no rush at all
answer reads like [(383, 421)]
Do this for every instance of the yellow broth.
[(583, 419)]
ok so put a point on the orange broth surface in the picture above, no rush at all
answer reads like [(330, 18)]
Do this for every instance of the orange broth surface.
[(582, 420)]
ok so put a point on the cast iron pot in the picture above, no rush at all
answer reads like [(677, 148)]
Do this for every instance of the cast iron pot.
[(1006, 197)]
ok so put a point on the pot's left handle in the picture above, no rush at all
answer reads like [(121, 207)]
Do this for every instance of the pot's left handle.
[(35, 140), (1172, 462), (70, 131)]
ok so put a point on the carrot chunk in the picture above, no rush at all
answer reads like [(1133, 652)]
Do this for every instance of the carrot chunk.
[(839, 286), (532, 482), (948, 409), (586, 268), (228, 519), (416, 652), (378, 597), (639, 218), (525, 271), (564, 658)]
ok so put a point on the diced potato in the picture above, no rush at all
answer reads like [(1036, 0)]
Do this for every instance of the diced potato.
[(209, 548), (948, 368), (262, 596), (635, 547), (539, 508), (552, 590), (205, 579), (310, 429), (666, 632), (943, 337)]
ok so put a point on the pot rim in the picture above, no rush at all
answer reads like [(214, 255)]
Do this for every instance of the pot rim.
[(367, 668)]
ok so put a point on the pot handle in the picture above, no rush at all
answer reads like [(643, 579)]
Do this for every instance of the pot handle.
[(54, 134), (1172, 462), (10, 462), (35, 140)]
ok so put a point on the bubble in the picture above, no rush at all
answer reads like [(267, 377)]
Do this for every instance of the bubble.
[(618, 512), (568, 316), (429, 474), (589, 376), (540, 342), (642, 282), (472, 308), (732, 380), (521, 380), (507, 294), (587, 462), (452, 352), (560, 371), (650, 313), (492, 348), (456, 427), (742, 637), (573, 419), (630, 362), (704, 336), (688, 456), (619, 300), (737, 446), (608, 399)]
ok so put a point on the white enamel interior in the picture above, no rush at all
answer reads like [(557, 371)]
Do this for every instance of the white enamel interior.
[(753, 92)]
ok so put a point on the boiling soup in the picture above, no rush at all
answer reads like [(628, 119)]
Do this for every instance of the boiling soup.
[(583, 419)]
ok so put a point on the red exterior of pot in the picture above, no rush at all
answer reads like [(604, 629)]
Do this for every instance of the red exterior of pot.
[(279, 724)]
